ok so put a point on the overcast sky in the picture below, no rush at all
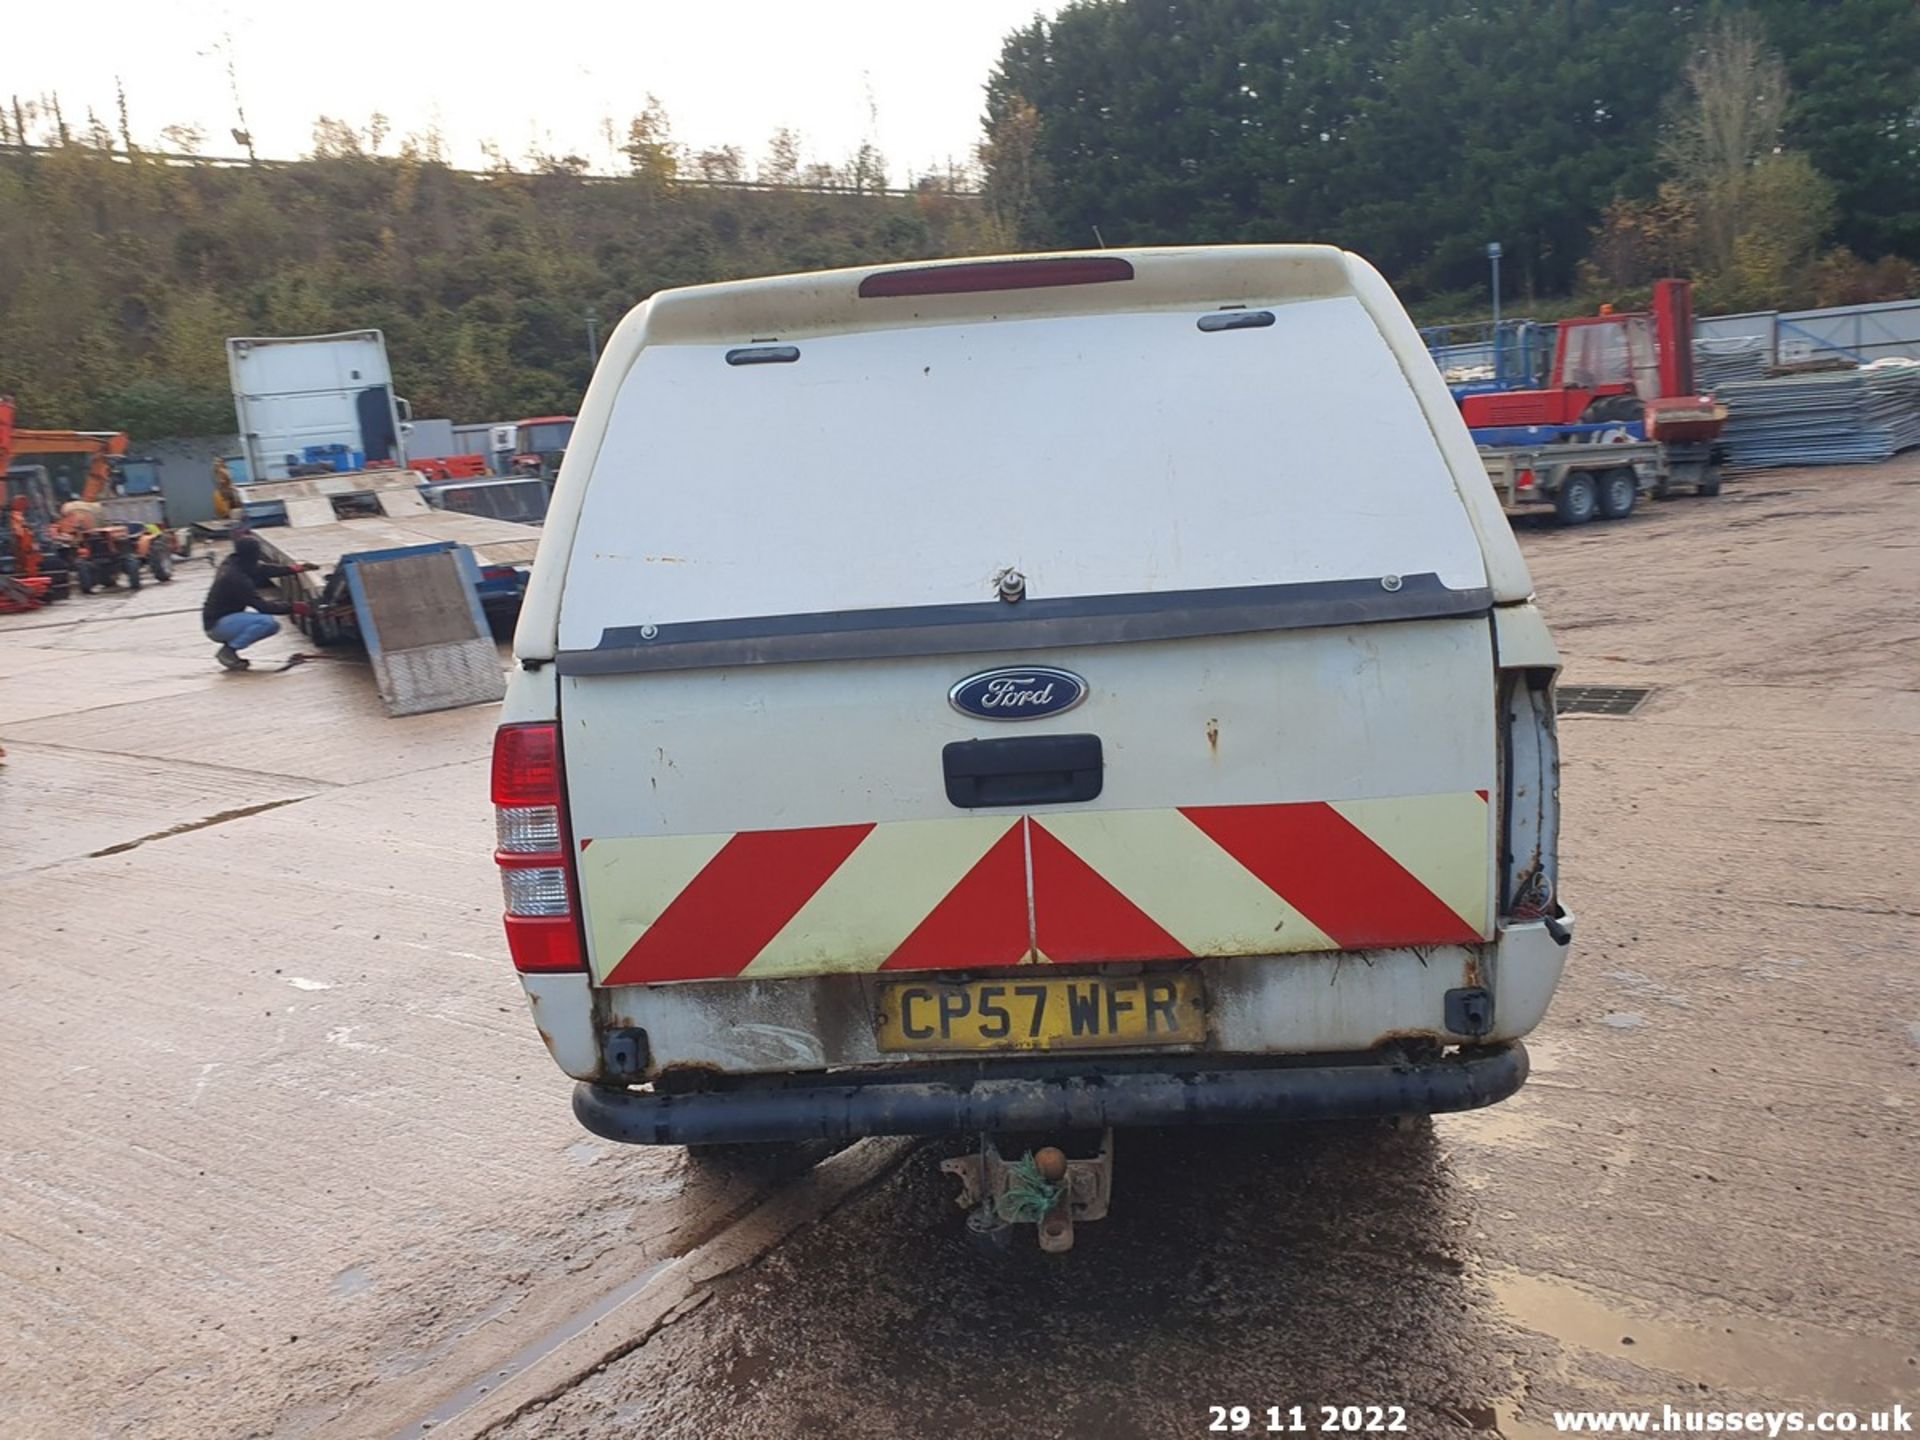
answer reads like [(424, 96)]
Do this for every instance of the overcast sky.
[(906, 74)]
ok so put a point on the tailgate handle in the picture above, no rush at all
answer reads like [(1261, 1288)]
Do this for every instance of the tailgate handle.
[(1029, 770)]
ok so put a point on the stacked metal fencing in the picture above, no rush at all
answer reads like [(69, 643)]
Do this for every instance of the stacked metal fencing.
[(1721, 362), (1843, 417)]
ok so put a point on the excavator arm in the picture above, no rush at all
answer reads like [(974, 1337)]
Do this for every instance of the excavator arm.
[(103, 445)]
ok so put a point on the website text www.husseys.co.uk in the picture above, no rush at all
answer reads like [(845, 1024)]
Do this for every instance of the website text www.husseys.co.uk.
[(1669, 1420)]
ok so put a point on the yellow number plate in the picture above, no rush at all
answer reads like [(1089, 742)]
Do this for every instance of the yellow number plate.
[(1030, 1012)]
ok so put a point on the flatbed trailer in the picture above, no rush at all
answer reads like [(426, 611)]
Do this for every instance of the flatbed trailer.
[(322, 518), (411, 583), (1597, 480)]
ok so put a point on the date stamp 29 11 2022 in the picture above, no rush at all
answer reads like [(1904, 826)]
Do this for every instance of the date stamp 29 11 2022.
[(1307, 1419)]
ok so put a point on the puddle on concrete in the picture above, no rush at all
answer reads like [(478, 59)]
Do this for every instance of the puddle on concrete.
[(1518, 1122), (1780, 1361), (1509, 1123), (535, 1350)]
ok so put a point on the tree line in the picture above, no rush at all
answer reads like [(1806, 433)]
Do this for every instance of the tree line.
[(1770, 148), (123, 270)]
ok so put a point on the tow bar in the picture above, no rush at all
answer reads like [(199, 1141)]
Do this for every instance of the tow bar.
[(1047, 1188)]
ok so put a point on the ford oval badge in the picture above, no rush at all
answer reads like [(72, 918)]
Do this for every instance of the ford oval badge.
[(1026, 692)]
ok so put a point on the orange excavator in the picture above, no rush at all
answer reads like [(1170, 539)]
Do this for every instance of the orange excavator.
[(104, 446), (102, 551)]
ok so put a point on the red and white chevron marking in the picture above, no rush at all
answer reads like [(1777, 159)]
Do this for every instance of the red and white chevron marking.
[(977, 892)]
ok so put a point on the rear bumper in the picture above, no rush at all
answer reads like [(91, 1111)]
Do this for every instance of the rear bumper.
[(1280, 1007), (838, 1108)]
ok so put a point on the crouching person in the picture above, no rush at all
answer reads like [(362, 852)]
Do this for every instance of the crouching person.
[(237, 613)]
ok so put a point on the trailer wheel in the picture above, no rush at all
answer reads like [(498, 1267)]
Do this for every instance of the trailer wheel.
[(1618, 490), (1578, 499)]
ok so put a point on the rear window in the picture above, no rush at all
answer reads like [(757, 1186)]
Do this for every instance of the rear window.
[(1095, 454)]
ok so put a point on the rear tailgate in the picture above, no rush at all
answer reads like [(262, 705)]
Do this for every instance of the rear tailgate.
[(1243, 541)]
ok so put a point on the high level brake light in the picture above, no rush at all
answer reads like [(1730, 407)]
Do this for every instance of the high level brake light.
[(979, 276), (532, 849)]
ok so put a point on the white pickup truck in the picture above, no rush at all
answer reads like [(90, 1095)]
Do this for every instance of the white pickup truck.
[(1056, 692)]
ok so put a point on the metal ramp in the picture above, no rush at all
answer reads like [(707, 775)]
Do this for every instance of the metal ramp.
[(419, 614)]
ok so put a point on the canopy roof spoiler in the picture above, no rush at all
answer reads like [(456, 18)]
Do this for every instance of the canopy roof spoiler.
[(885, 297)]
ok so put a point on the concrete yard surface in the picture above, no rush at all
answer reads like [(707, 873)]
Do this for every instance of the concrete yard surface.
[(282, 1155), (280, 1141)]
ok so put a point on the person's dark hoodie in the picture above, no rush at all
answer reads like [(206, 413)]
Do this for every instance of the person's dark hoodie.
[(238, 582)]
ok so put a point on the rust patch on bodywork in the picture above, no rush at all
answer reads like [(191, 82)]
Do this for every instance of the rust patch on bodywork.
[(686, 1076), (1397, 1037)]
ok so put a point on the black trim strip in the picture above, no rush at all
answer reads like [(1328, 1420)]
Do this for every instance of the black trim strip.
[(992, 625)]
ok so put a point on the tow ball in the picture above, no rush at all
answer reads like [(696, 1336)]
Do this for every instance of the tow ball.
[(1050, 1187)]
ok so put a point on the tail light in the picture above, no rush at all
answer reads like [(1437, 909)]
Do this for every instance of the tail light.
[(533, 850), (1525, 482)]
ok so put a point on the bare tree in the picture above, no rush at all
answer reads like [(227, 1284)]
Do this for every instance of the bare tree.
[(782, 163), (867, 171), (1727, 120), (335, 139), (242, 132), (651, 151), (126, 125), (727, 163), (183, 139), (1010, 157), (425, 147), (23, 114)]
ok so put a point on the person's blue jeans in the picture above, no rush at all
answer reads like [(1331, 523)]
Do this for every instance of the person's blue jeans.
[(244, 629)]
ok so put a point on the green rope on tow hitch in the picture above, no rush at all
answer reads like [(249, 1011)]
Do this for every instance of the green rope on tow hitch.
[(1029, 1195)]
